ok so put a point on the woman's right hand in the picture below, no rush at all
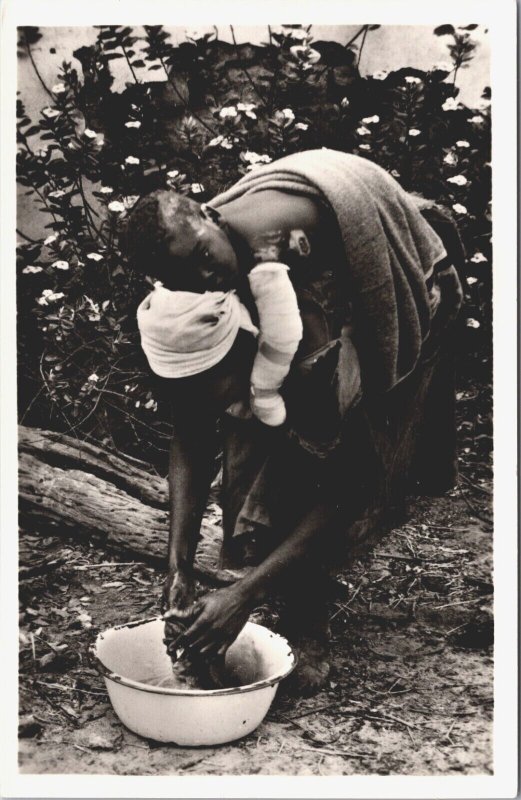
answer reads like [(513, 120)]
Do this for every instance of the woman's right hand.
[(178, 592), (178, 599)]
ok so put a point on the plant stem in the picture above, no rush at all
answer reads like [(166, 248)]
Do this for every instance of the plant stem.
[(27, 238), (362, 46), (30, 54), (129, 64)]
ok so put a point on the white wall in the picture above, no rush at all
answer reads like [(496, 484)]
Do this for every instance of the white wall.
[(390, 47)]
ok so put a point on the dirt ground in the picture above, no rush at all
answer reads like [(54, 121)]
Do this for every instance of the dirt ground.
[(411, 686)]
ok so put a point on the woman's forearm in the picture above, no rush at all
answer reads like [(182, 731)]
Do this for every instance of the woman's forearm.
[(314, 526), (192, 454)]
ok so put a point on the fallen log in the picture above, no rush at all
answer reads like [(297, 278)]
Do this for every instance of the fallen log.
[(83, 489)]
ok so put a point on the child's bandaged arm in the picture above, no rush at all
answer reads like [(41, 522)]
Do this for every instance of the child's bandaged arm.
[(280, 327)]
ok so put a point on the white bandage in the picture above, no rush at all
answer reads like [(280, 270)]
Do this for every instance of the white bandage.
[(280, 333)]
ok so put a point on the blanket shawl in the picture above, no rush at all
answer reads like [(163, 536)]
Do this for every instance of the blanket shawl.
[(390, 251)]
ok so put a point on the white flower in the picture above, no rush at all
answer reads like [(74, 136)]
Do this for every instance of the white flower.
[(137, 404), (344, 102), (94, 256), (128, 202), (472, 323), (57, 193), (151, 404), (459, 209), (364, 146), (133, 124), (116, 207), (255, 158), (42, 152), (61, 264), (477, 120), (414, 132), (369, 120), (32, 270), (197, 188), (50, 239), (248, 109), (458, 180), (93, 378), (89, 133), (296, 33), (212, 143), (227, 143), (48, 296), (50, 113), (131, 160), (289, 116), (228, 111), (450, 104), (471, 280), (478, 258), (58, 88), (363, 131), (412, 79), (127, 387), (305, 54), (106, 190), (93, 314), (380, 75), (451, 159), (462, 143), (301, 126), (173, 173)]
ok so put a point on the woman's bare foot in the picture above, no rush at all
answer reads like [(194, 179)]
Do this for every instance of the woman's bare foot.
[(313, 667)]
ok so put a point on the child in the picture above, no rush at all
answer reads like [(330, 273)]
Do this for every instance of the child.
[(184, 332)]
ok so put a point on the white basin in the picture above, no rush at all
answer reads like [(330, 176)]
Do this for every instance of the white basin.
[(133, 661)]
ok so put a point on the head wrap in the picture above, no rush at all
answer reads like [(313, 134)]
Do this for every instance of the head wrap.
[(184, 333)]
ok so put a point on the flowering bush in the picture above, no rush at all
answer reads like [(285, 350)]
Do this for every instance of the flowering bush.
[(220, 111)]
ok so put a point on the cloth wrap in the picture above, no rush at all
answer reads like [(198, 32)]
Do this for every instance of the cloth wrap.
[(184, 333), (390, 251)]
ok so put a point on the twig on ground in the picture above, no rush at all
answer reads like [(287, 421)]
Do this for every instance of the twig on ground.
[(397, 557), (474, 511), (314, 711), (460, 603), (475, 485), (64, 688), (309, 734), (327, 752), (104, 564)]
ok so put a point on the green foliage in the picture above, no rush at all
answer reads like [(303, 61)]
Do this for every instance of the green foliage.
[(195, 117)]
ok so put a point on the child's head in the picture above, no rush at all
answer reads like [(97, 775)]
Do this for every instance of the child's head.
[(174, 239)]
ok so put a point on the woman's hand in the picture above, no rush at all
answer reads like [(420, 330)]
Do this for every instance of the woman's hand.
[(178, 592), (177, 603), (216, 621)]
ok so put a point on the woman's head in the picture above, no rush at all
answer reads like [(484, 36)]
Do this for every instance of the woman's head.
[(176, 240)]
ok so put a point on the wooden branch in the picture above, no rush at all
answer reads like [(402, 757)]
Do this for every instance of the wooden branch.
[(80, 489)]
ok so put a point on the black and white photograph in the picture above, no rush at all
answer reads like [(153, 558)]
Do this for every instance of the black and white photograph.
[(255, 524)]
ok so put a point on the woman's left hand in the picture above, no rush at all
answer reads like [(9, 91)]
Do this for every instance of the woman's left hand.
[(216, 621)]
